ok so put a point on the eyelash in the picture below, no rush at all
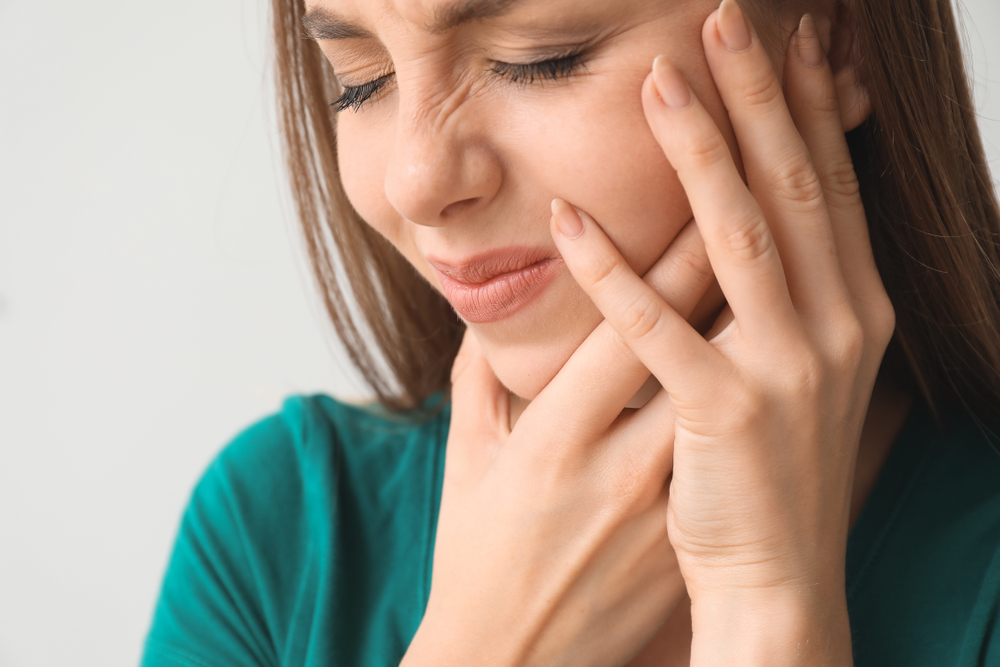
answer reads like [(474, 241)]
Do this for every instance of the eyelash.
[(354, 97), (545, 70)]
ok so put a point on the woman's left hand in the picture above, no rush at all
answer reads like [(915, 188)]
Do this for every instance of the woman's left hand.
[(769, 405)]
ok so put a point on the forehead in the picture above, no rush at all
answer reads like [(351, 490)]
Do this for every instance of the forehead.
[(434, 16)]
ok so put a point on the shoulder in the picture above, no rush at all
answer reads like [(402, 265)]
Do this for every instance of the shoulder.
[(277, 529), (316, 449), (317, 440)]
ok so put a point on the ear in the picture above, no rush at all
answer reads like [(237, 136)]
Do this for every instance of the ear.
[(845, 56)]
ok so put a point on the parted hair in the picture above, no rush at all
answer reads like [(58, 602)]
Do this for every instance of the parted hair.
[(928, 195)]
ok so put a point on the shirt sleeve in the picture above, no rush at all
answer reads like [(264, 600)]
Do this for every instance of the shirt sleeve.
[(216, 606)]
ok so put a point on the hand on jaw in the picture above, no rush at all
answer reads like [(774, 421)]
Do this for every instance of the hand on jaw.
[(560, 541)]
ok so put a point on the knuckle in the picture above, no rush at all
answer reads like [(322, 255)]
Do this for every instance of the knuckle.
[(840, 179), (601, 271), (762, 89), (814, 91), (849, 343), (706, 151), (694, 264), (883, 320), (639, 318), (685, 266), (798, 182), (823, 99), (887, 320), (750, 239)]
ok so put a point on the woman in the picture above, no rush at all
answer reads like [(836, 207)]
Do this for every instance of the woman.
[(698, 351)]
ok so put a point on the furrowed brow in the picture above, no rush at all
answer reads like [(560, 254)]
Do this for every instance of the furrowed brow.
[(453, 15), (320, 24)]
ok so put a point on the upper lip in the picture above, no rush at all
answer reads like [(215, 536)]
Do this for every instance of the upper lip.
[(485, 266)]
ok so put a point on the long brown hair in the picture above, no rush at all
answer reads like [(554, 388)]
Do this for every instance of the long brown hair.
[(932, 214), (402, 335)]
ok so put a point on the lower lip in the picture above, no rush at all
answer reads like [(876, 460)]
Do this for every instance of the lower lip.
[(500, 297)]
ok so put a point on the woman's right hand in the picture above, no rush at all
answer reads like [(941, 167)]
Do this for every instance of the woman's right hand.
[(551, 544)]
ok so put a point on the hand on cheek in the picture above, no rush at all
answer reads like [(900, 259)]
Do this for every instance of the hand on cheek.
[(551, 548), (767, 413), (571, 538)]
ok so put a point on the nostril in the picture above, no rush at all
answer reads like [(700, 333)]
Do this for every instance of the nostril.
[(458, 207)]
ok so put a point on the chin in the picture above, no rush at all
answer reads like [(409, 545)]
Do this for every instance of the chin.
[(521, 375), (525, 369), (527, 349)]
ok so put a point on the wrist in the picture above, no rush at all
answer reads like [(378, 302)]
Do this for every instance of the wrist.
[(780, 627)]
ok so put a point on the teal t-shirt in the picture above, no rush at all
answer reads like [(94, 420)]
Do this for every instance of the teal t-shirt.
[(308, 542)]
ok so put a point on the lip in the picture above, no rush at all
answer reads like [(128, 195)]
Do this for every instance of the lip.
[(494, 285)]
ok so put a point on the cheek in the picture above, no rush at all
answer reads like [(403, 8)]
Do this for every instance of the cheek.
[(639, 201), (596, 151), (363, 150)]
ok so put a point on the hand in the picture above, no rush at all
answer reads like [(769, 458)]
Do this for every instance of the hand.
[(768, 410), (551, 544)]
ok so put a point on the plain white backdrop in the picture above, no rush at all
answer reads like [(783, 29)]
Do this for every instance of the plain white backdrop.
[(153, 297)]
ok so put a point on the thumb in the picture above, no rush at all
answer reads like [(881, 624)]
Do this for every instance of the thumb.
[(480, 415)]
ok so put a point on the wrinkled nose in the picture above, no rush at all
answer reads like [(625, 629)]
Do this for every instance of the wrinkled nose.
[(438, 170)]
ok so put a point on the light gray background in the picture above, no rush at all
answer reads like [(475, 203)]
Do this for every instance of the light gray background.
[(153, 296)]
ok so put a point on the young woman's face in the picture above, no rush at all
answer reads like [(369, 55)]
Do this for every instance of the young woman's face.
[(460, 150)]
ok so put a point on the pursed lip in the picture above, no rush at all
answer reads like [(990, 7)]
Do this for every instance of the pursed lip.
[(494, 285)]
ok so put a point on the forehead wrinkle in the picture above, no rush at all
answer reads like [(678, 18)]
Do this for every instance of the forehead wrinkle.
[(320, 24), (452, 15)]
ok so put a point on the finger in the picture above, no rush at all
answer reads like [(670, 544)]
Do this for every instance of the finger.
[(815, 109), (739, 244), (603, 374), (778, 166), (641, 447), (480, 415), (687, 366)]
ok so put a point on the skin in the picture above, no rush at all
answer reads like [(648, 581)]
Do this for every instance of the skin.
[(552, 546), (453, 162)]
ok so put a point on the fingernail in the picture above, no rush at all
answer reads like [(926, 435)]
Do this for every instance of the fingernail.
[(807, 42), (734, 29), (568, 220), (670, 84)]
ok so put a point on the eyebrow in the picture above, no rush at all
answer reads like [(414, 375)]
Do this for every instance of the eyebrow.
[(320, 24)]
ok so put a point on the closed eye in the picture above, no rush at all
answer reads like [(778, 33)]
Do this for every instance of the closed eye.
[(555, 69), (354, 97), (544, 70)]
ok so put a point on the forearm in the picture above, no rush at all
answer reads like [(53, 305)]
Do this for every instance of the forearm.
[(776, 629)]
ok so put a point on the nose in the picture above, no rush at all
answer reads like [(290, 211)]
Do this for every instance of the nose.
[(441, 165)]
